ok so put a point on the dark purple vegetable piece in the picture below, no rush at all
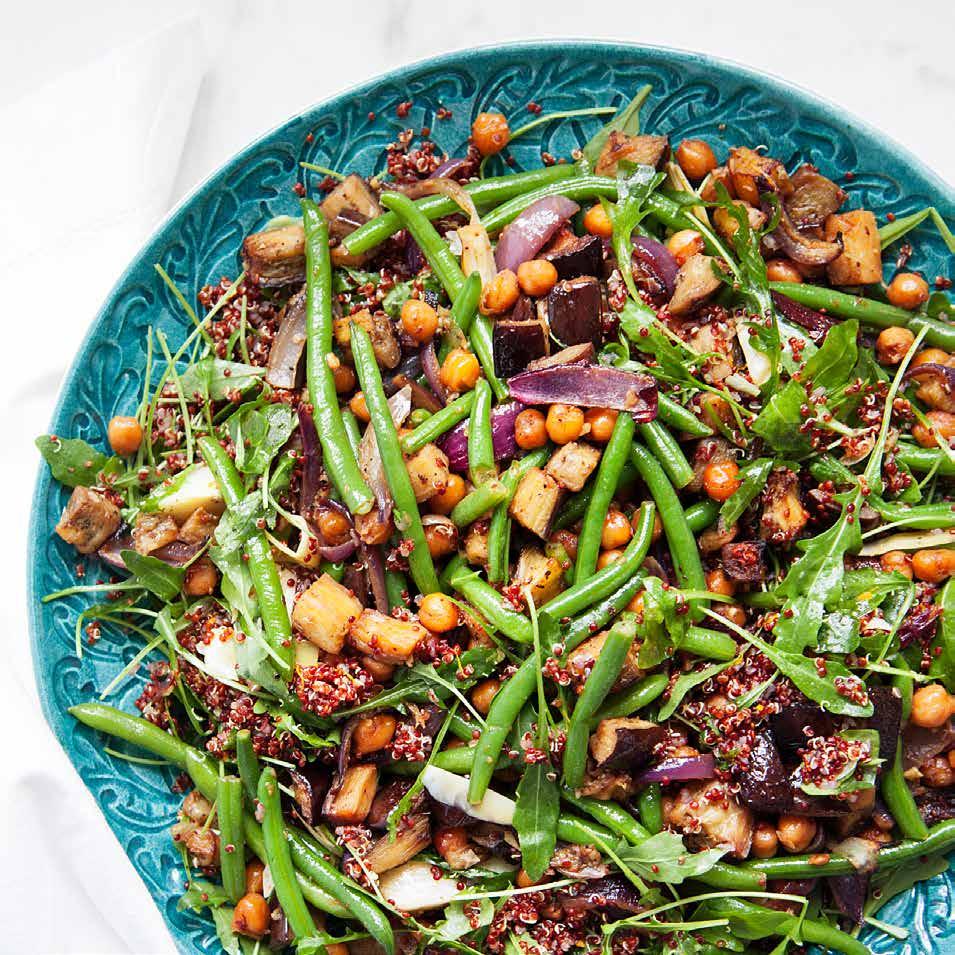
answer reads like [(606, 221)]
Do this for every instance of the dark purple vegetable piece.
[(280, 932), (936, 805), (414, 257), (655, 258), (309, 786), (611, 894), (803, 887), (574, 255), (385, 800), (176, 554), (375, 571), (455, 442), (679, 769), (624, 743), (573, 311), (515, 344), (764, 784), (849, 894), (449, 816), (941, 373), (920, 624), (421, 397), (432, 372), (921, 743), (886, 720), (814, 322), (788, 726), (595, 386), (744, 561), (285, 368), (311, 462)]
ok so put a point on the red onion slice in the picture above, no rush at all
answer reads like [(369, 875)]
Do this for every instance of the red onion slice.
[(532, 230), (658, 259), (679, 770), (311, 462), (432, 371), (595, 386), (455, 443), (814, 322)]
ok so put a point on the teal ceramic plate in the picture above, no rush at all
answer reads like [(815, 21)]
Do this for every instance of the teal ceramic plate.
[(692, 95)]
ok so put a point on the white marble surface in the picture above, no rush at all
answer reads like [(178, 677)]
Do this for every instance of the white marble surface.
[(171, 112)]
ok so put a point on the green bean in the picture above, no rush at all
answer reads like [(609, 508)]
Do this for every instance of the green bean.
[(459, 760), (868, 311), (600, 614), (634, 698), (922, 460), (610, 814), (231, 836), (650, 807), (499, 533), (407, 516), (606, 580), (334, 569), (478, 502), (262, 569), (485, 193), (709, 644), (675, 416), (606, 482), (418, 416), (683, 549), (489, 603), (396, 586), (668, 452), (248, 762), (465, 307), (481, 338), (438, 424), (579, 187), (352, 429), (337, 455), (603, 675), (701, 515), (582, 832), (577, 505), (895, 789), (279, 857), (481, 464), (433, 247)]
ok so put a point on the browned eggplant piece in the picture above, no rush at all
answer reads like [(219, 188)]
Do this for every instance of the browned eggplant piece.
[(575, 255), (454, 846), (386, 799), (849, 893), (285, 357), (607, 784), (573, 311), (542, 574), (572, 463), (309, 787), (413, 835), (152, 531), (535, 501), (582, 354), (624, 743), (643, 149), (813, 199), (764, 785), (783, 515), (349, 801), (709, 813), (695, 283), (198, 526), (613, 894), (802, 247), (516, 343), (789, 725), (350, 204), (88, 520), (380, 331), (861, 260), (754, 173), (886, 720), (936, 805), (744, 561), (280, 932), (275, 257)]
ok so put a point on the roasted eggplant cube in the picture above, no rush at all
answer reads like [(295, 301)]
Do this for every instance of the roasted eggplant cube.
[(766, 786), (571, 464), (382, 335), (413, 835), (350, 204), (385, 638), (814, 198), (348, 803), (516, 343), (574, 255), (643, 150), (535, 501), (429, 472), (744, 561), (325, 612), (695, 283), (573, 311), (624, 743), (88, 520), (275, 257), (544, 575), (861, 259)]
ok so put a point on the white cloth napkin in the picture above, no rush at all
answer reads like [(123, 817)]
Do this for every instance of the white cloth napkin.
[(88, 168)]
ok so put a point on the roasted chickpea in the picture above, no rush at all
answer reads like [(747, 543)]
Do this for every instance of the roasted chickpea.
[(490, 133), (892, 344), (795, 833), (253, 876), (907, 290), (438, 613), (616, 530), (251, 916), (373, 733), (656, 531), (931, 706), (732, 612), (419, 320), (445, 501), (601, 421), (608, 557), (937, 773), (636, 604), (530, 429), (685, 244), (782, 270), (564, 423), (460, 370), (442, 539), (696, 159), (334, 527), (483, 694), (720, 479), (898, 561), (765, 841), (597, 222), (201, 578), (715, 410), (500, 294), (125, 434), (718, 583), (942, 422), (536, 277), (358, 407), (344, 379), (933, 565), (934, 356), (380, 671)]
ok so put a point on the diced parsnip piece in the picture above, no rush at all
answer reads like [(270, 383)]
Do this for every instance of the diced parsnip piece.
[(384, 342), (429, 472), (346, 207), (581, 661), (385, 638), (861, 259), (88, 520), (414, 834), (276, 256), (325, 612), (695, 283), (350, 802), (535, 501), (544, 575), (754, 173), (475, 543), (152, 531), (571, 464), (199, 526), (644, 150)]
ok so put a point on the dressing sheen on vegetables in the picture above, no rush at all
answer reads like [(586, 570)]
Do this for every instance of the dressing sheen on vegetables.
[(547, 562)]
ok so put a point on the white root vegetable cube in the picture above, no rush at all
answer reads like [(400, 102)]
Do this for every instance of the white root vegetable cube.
[(535, 501), (350, 803), (325, 612), (571, 465), (385, 638), (429, 472), (544, 575)]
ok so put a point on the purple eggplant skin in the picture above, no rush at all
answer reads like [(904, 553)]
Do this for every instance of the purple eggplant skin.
[(280, 932), (886, 719), (582, 255), (624, 743), (611, 894), (515, 344), (449, 817), (765, 786), (803, 887), (788, 726), (573, 311), (744, 561), (310, 785), (849, 894), (385, 800)]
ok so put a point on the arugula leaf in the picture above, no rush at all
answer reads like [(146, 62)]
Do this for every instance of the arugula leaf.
[(201, 895), (778, 423), (686, 683), (893, 882), (457, 923), (218, 378), (259, 433), (752, 480), (627, 121), (831, 367), (943, 665), (535, 817), (839, 633), (664, 858), (627, 213), (893, 231), (157, 577), (662, 626), (72, 461)]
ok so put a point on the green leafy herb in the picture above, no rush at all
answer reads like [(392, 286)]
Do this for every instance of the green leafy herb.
[(627, 121), (684, 684), (218, 378), (73, 462), (628, 212), (663, 624), (157, 577), (259, 433), (943, 659), (664, 858), (832, 366), (535, 817), (752, 481), (778, 423), (856, 774), (458, 922)]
